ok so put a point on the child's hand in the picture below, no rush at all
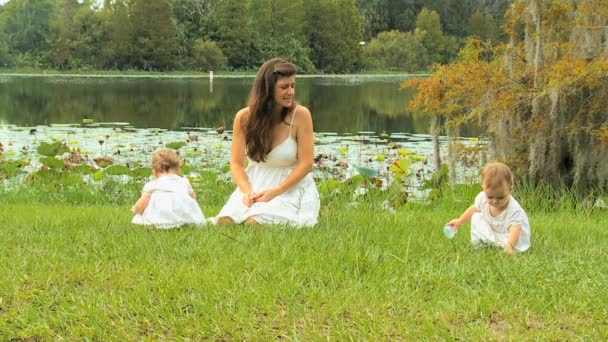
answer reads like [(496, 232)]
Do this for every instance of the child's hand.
[(454, 223), (140, 205), (509, 249)]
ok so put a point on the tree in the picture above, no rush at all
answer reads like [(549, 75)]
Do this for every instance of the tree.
[(233, 35), (119, 34), (5, 59), (26, 24), (285, 46), (374, 18), (272, 18), (194, 20), (73, 37), (277, 28), (334, 35), (395, 50), (154, 33), (428, 32), (208, 56), (482, 26), (542, 104)]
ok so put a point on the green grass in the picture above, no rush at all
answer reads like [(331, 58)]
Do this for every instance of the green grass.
[(82, 271)]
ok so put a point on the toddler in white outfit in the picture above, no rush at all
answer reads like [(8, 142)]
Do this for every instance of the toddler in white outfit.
[(496, 217), (168, 201)]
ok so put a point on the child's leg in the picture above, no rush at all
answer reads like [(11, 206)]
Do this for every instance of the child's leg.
[(481, 231)]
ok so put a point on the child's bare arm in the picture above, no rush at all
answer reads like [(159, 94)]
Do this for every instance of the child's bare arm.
[(514, 234), (141, 204), (464, 218)]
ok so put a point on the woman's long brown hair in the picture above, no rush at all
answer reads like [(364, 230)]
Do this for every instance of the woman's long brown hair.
[(258, 128)]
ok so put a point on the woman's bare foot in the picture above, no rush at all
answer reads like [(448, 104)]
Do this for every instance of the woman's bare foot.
[(225, 220)]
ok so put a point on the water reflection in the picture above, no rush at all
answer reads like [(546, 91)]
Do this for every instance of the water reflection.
[(342, 105)]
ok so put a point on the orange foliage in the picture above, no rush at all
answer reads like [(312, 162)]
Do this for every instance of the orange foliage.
[(478, 91), (465, 91)]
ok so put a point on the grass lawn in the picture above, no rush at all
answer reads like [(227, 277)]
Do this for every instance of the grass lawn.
[(74, 272)]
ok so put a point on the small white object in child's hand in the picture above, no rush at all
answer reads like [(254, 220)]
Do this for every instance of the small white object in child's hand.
[(449, 231)]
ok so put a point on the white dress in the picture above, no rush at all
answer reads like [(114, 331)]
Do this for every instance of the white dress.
[(170, 203), (494, 230), (297, 207)]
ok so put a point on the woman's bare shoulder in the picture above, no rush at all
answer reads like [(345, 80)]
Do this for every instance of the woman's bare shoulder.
[(242, 114), (302, 113)]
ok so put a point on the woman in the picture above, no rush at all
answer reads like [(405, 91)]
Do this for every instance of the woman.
[(276, 134)]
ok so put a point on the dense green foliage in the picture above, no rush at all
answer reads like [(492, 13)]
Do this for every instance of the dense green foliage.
[(396, 50), (326, 36)]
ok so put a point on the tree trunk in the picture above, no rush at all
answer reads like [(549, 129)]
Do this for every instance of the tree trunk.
[(435, 129), (451, 133)]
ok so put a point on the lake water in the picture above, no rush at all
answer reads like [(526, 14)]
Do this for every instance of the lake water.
[(133, 116), (338, 104)]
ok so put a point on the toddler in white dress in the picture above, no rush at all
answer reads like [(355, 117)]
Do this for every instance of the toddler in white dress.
[(496, 217), (168, 201)]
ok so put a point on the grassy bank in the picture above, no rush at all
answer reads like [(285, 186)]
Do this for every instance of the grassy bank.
[(82, 271)]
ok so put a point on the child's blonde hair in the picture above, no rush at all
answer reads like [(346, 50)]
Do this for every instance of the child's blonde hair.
[(494, 174), (164, 160)]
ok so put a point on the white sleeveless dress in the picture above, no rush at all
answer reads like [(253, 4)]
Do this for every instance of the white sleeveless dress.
[(170, 204), (297, 207)]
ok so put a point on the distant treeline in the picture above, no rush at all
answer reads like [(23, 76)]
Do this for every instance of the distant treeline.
[(325, 36)]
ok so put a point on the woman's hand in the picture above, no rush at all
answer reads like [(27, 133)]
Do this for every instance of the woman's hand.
[(266, 195), (248, 199)]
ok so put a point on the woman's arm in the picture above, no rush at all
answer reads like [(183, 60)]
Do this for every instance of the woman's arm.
[(238, 151), (306, 145)]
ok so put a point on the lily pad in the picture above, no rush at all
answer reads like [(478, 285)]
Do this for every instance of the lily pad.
[(401, 166), (83, 169), (52, 162), (98, 175), (10, 168), (186, 169), (117, 170), (329, 186), (53, 149), (103, 162), (141, 172), (367, 172), (176, 145)]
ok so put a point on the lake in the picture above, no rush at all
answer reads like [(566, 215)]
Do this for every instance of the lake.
[(338, 104), (132, 116)]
